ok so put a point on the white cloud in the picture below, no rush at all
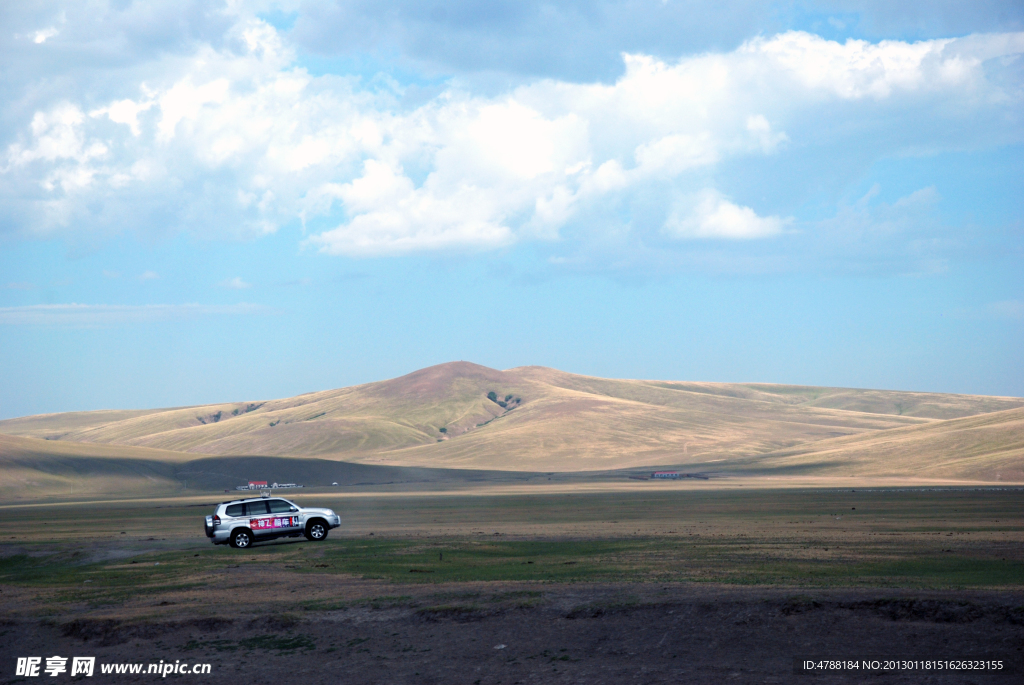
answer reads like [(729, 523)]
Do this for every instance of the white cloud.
[(863, 220), (149, 276), (235, 283), (184, 101), (43, 35), (58, 136), (124, 112), (107, 314), (759, 127), (676, 153), (713, 216), (856, 68), (239, 137)]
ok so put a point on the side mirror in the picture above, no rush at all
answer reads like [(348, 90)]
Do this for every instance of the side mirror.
[(292, 509)]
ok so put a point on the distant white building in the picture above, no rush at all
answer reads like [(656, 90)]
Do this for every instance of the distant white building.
[(263, 485)]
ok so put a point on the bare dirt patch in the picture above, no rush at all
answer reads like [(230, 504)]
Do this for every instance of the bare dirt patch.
[(525, 633)]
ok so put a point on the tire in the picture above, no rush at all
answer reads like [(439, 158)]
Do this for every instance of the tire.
[(316, 530), (241, 538)]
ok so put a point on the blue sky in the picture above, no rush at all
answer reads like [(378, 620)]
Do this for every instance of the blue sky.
[(204, 202)]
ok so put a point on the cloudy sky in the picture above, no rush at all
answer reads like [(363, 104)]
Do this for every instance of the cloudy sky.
[(205, 201)]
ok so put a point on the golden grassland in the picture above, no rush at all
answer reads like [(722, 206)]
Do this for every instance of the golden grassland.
[(32, 469), (554, 428), (989, 447)]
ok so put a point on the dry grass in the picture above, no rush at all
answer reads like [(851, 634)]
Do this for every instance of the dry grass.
[(32, 469), (988, 447), (564, 423)]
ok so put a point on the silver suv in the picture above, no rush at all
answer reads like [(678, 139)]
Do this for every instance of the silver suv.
[(242, 522)]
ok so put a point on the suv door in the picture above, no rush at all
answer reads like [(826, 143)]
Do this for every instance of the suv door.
[(285, 516), (259, 522)]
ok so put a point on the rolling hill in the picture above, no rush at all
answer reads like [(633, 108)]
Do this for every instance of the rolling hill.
[(32, 470), (534, 419), (989, 447)]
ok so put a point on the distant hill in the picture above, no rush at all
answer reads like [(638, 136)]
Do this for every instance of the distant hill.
[(989, 447), (33, 469), (534, 419)]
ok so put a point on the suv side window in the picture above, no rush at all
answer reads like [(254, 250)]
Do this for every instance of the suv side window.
[(257, 508), (233, 510), (279, 506)]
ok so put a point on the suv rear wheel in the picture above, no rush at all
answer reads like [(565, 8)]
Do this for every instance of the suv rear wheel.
[(316, 530), (241, 538)]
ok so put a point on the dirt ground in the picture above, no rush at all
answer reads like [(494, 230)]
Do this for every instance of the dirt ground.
[(491, 633)]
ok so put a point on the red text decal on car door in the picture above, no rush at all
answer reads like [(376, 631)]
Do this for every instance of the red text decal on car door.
[(272, 522)]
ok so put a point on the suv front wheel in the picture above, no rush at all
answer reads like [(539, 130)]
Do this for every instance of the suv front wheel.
[(240, 539), (316, 530)]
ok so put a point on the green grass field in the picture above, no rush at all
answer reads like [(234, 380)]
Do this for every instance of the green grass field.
[(151, 559)]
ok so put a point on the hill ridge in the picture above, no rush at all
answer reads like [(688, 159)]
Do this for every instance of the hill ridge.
[(447, 416)]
